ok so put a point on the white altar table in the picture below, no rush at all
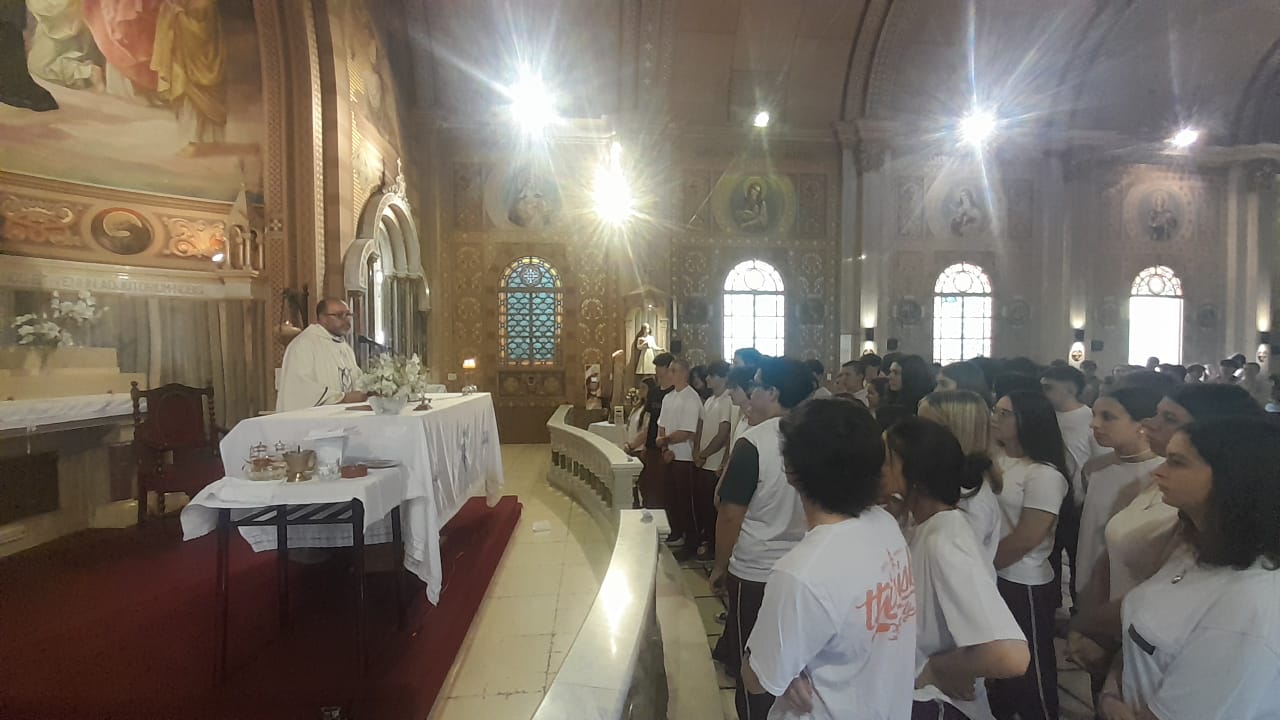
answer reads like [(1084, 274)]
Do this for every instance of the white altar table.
[(63, 413), (447, 455)]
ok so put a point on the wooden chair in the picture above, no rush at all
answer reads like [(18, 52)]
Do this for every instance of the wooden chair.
[(175, 442)]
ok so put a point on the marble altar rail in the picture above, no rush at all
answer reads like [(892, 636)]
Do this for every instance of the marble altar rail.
[(642, 651)]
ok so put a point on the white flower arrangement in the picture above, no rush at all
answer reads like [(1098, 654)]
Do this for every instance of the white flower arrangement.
[(81, 312), (54, 327), (394, 377), (39, 331)]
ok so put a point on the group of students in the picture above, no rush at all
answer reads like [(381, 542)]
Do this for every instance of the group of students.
[(898, 556)]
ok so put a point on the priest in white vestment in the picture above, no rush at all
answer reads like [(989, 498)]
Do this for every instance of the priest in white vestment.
[(319, 365)]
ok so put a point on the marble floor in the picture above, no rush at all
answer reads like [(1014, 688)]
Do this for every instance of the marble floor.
[(536, 603)]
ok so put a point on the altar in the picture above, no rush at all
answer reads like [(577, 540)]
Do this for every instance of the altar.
[(444, 455)]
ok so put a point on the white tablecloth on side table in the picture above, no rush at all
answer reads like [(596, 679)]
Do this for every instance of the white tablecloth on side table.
[(380, 493), (448, 453)]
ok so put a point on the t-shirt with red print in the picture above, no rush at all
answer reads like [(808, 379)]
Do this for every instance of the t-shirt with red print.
[(840, 610)]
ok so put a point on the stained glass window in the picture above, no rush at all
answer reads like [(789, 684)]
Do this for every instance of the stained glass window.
[(1155, 316), (754, 309), (961, 314), (530, 311)]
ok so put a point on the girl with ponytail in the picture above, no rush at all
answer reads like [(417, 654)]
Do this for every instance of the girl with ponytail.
[(965, 632)]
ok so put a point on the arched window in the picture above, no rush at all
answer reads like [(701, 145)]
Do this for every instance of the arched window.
[(753, 309), (961, 314), (1155, 316), (530, 310)]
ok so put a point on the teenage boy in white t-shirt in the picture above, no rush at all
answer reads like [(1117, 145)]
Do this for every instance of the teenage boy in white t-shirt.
[(760, 516), (836, 633), (677, 425), (713, 444), (1063, 385)]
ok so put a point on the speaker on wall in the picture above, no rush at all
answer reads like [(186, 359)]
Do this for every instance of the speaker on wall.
[(677, 347), (1096, 346), (892, 344)]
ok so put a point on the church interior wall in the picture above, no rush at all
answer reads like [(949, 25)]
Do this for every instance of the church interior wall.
[(715, 229)]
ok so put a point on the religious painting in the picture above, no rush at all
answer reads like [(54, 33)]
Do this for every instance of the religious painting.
[(960, 208), (524, 197), (1158, 213), (754, 204), (158, 96), (121, 231)]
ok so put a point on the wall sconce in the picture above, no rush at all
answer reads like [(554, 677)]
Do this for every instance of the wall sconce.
[(1264, 347), (468, 370), (869, 334), (1078, 335)]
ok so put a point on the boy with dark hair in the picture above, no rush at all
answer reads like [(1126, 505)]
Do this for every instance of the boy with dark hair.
[(1063, 386), (760, 516), (677, 427), (873, 364), (815, 366), (852, 379), (712, 451), (819, 640)]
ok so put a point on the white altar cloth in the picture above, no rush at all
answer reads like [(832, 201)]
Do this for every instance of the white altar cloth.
[(380, 493), (448, 454), (34, 414)]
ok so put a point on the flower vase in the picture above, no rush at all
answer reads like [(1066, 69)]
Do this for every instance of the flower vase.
[(388, 405)]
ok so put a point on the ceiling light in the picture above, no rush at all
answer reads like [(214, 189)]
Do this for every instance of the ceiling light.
[(977, 127), (612, 193), (1184, 138), (532, 104), (761, 119)]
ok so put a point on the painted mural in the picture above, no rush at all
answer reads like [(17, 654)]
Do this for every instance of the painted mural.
[(160, 96)]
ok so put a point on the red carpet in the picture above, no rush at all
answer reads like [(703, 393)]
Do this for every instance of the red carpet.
[(119, 624)]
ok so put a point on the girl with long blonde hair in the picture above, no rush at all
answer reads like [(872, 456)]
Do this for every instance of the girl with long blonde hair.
[(968, 417)]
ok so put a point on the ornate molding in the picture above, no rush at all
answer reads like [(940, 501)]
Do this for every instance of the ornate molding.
[(194, 237), (41, 222), (70, 275), (870, 156)]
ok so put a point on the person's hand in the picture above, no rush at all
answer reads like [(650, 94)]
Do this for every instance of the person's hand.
[(661, 441), (799, 695), (668, 456), (716, 580), (354, 396), (699, 461), (1112, 707)]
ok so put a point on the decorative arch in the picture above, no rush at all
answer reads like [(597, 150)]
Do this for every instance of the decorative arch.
[(383, 275), (1155, 316), (754, 309), (530, 313), (962, 313)]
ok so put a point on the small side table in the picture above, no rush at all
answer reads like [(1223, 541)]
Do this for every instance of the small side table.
[(282, 517)]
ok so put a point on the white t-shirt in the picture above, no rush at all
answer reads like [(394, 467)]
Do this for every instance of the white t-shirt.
[(1081, 445), (774, 523), (984, 516), (861, 395), (681, 410), (1139, 538), (841, 607), (822, 394), (1110, 489), (716, 410), (957, 603), (1203, 643), (1034, 486)]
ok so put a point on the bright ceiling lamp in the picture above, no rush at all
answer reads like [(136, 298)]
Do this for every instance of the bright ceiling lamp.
[(1184, 138), (977, 128), (761, 119), (612, 193), (532, 105)]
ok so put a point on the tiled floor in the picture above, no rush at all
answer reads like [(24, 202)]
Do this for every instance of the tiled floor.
[(539, 597)]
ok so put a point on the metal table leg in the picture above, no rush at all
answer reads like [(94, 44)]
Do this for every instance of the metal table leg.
[(224, 534), (282, 561), (357, 545), (398, 565)]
